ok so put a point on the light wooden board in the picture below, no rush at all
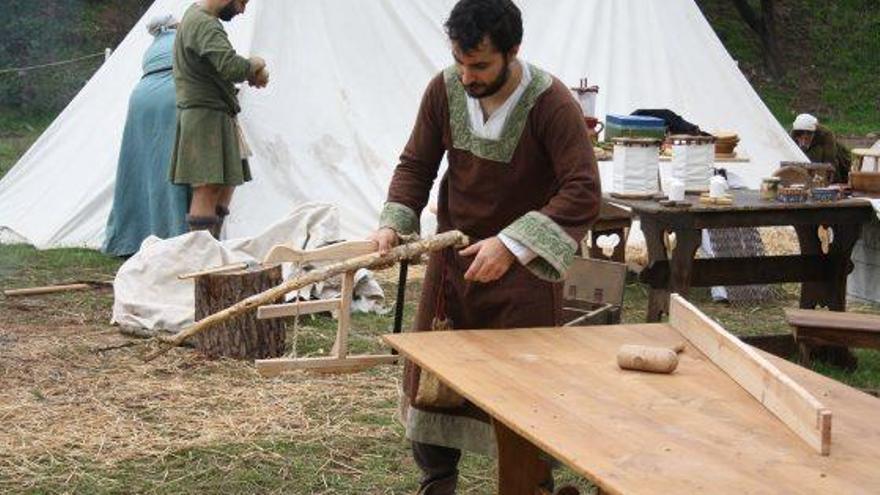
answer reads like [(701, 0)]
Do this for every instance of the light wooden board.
[(297, 308), (790, 402), (693, 431), (339, 251)]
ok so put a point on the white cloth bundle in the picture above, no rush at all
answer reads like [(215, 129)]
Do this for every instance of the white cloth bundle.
[(692, 164), (636, 168)]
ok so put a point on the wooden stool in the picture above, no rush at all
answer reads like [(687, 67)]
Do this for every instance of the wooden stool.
[(817, 328), (339, 361)]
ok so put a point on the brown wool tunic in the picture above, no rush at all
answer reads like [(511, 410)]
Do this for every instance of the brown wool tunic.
[(552, 171)]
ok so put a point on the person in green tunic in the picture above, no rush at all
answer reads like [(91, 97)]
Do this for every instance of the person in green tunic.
[(209, 150), (820, 145)]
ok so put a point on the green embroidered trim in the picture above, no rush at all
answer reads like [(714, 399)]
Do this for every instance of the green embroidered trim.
[(555, 248), (500, 150), (399, 217)]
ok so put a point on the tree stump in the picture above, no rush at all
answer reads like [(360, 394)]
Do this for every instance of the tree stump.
[(244, 336)]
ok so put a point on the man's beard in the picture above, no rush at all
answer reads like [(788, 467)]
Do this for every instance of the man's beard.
[(228, 12), (480, 90)]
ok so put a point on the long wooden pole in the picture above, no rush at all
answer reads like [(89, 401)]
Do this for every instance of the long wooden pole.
[(451, 238)]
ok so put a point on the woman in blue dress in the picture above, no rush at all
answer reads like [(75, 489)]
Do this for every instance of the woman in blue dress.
[(145, 202)]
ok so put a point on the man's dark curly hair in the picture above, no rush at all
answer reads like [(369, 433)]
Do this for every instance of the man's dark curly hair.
[(471, 20)]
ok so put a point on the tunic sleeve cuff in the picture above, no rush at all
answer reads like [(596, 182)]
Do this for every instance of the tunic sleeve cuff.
[(399, 217), (554, 248)]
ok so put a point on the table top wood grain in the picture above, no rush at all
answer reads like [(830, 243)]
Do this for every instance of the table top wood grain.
[(694, 431)]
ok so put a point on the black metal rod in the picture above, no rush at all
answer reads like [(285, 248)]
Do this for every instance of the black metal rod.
[(401, 298)]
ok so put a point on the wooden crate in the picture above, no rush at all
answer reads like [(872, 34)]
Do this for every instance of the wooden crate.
[(593, 293)]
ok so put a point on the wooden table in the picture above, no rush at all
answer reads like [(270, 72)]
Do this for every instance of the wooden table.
[(823, 275), (694, 431)]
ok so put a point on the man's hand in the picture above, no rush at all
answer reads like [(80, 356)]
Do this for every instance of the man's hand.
[(386, 238), (260, 76), (261, 79), (492, 260)]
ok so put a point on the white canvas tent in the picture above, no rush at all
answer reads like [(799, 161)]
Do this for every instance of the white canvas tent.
[(347, 77)]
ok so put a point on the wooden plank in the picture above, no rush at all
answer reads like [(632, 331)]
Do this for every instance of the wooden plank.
[(274, 367), (838, 337), (745, 270), (297, 308), (340, 346), (341, 250), (231, 267), (787, 400), (49, 289), (833, 319)]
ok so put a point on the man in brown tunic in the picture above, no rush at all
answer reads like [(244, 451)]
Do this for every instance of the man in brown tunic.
[(522, 182)]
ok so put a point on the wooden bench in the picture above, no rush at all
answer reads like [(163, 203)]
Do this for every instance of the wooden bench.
[(822, 328)]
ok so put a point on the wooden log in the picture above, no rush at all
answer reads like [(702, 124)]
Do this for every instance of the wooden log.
[(647, 358), (452, 238), (244, 336)]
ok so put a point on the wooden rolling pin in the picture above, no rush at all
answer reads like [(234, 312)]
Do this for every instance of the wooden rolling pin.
[(646, 358)]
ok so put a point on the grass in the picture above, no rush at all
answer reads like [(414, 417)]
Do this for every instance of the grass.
[(89, 417), (17, 133)]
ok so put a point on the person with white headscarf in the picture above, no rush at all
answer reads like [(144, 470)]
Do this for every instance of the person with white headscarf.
[(144, 202), (820, 145)]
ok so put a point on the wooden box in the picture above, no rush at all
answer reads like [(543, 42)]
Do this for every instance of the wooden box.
[(593, 292), (864, 181)]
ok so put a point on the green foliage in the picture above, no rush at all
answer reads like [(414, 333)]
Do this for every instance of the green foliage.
[(42, 32), (830, 50)]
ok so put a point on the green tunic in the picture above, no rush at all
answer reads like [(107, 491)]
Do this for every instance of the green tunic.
[(207, 148)]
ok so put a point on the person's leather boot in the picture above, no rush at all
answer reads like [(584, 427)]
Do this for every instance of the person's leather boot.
[(208, 223), (443, 486), (222, 213)]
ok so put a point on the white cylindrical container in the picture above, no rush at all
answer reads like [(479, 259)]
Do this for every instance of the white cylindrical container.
[(586, 96), (717, 187), (676, 190), (693, 161), (636, 163)]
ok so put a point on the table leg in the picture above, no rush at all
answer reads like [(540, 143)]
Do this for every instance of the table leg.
[(658, 299), (830, 292), (619, 254), (813, 294), (520, 468), (687, 241), (680, 266), (845, 237)]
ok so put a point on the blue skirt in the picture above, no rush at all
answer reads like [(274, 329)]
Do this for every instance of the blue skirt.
[(145, 202)]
